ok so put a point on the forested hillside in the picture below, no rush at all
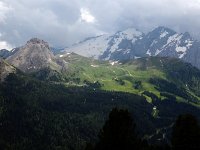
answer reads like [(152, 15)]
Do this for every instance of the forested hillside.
[(39, 115)]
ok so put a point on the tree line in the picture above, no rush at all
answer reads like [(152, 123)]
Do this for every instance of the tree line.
[(118, 133)]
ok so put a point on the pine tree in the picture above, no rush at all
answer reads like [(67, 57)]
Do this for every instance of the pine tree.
[(186, 133), (118, 133)]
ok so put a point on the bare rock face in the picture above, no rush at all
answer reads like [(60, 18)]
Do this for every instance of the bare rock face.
[(34, 56), (5, 69)]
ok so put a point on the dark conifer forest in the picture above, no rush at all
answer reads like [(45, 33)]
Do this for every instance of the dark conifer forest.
[(38, 115)]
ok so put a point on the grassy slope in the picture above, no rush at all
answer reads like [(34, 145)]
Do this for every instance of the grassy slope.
[(129, 72), (51, 115)]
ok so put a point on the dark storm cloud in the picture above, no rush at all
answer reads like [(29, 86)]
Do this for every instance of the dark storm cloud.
[(60, 23)]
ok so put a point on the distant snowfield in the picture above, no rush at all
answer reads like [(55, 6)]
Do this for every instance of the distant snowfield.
[(97, 46), (133, 44), (91, 48)]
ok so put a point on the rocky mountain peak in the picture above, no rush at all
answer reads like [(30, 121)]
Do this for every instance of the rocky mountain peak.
[(34, 56), (37, 41), (187, 35), (132, 44), (162, 29)]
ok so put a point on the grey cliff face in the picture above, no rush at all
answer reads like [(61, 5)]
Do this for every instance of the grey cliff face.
[(35, 55), (175, 45), (193, 55)]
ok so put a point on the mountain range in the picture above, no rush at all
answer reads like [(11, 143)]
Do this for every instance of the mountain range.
[(120, 70), (131, 44), (150, 74), (136, 76)]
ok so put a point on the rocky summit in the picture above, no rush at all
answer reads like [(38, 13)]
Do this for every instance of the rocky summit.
[(34, 56)]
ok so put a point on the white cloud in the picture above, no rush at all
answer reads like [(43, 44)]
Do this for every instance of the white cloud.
[(86, 16), (4, 9), (5, 45), (64, 22)]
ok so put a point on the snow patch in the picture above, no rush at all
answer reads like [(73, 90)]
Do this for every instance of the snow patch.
[(113, 63), (65, 62), (61, 56), (189, 43), (148, 52), (94, 47), (181, 49), (95, 66), (182, 55), (176, 40), (131, 33), (163, 34), (127, 51), (157, 52), (173, 38), (136, 57)]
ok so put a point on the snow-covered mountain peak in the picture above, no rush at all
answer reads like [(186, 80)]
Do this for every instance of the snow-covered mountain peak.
[(131, 44), (130, 33), (163, 34), (105, 45), (162, 29), (91, 47)]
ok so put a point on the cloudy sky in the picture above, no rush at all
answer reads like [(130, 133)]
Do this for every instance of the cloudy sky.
[(63, 22)]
